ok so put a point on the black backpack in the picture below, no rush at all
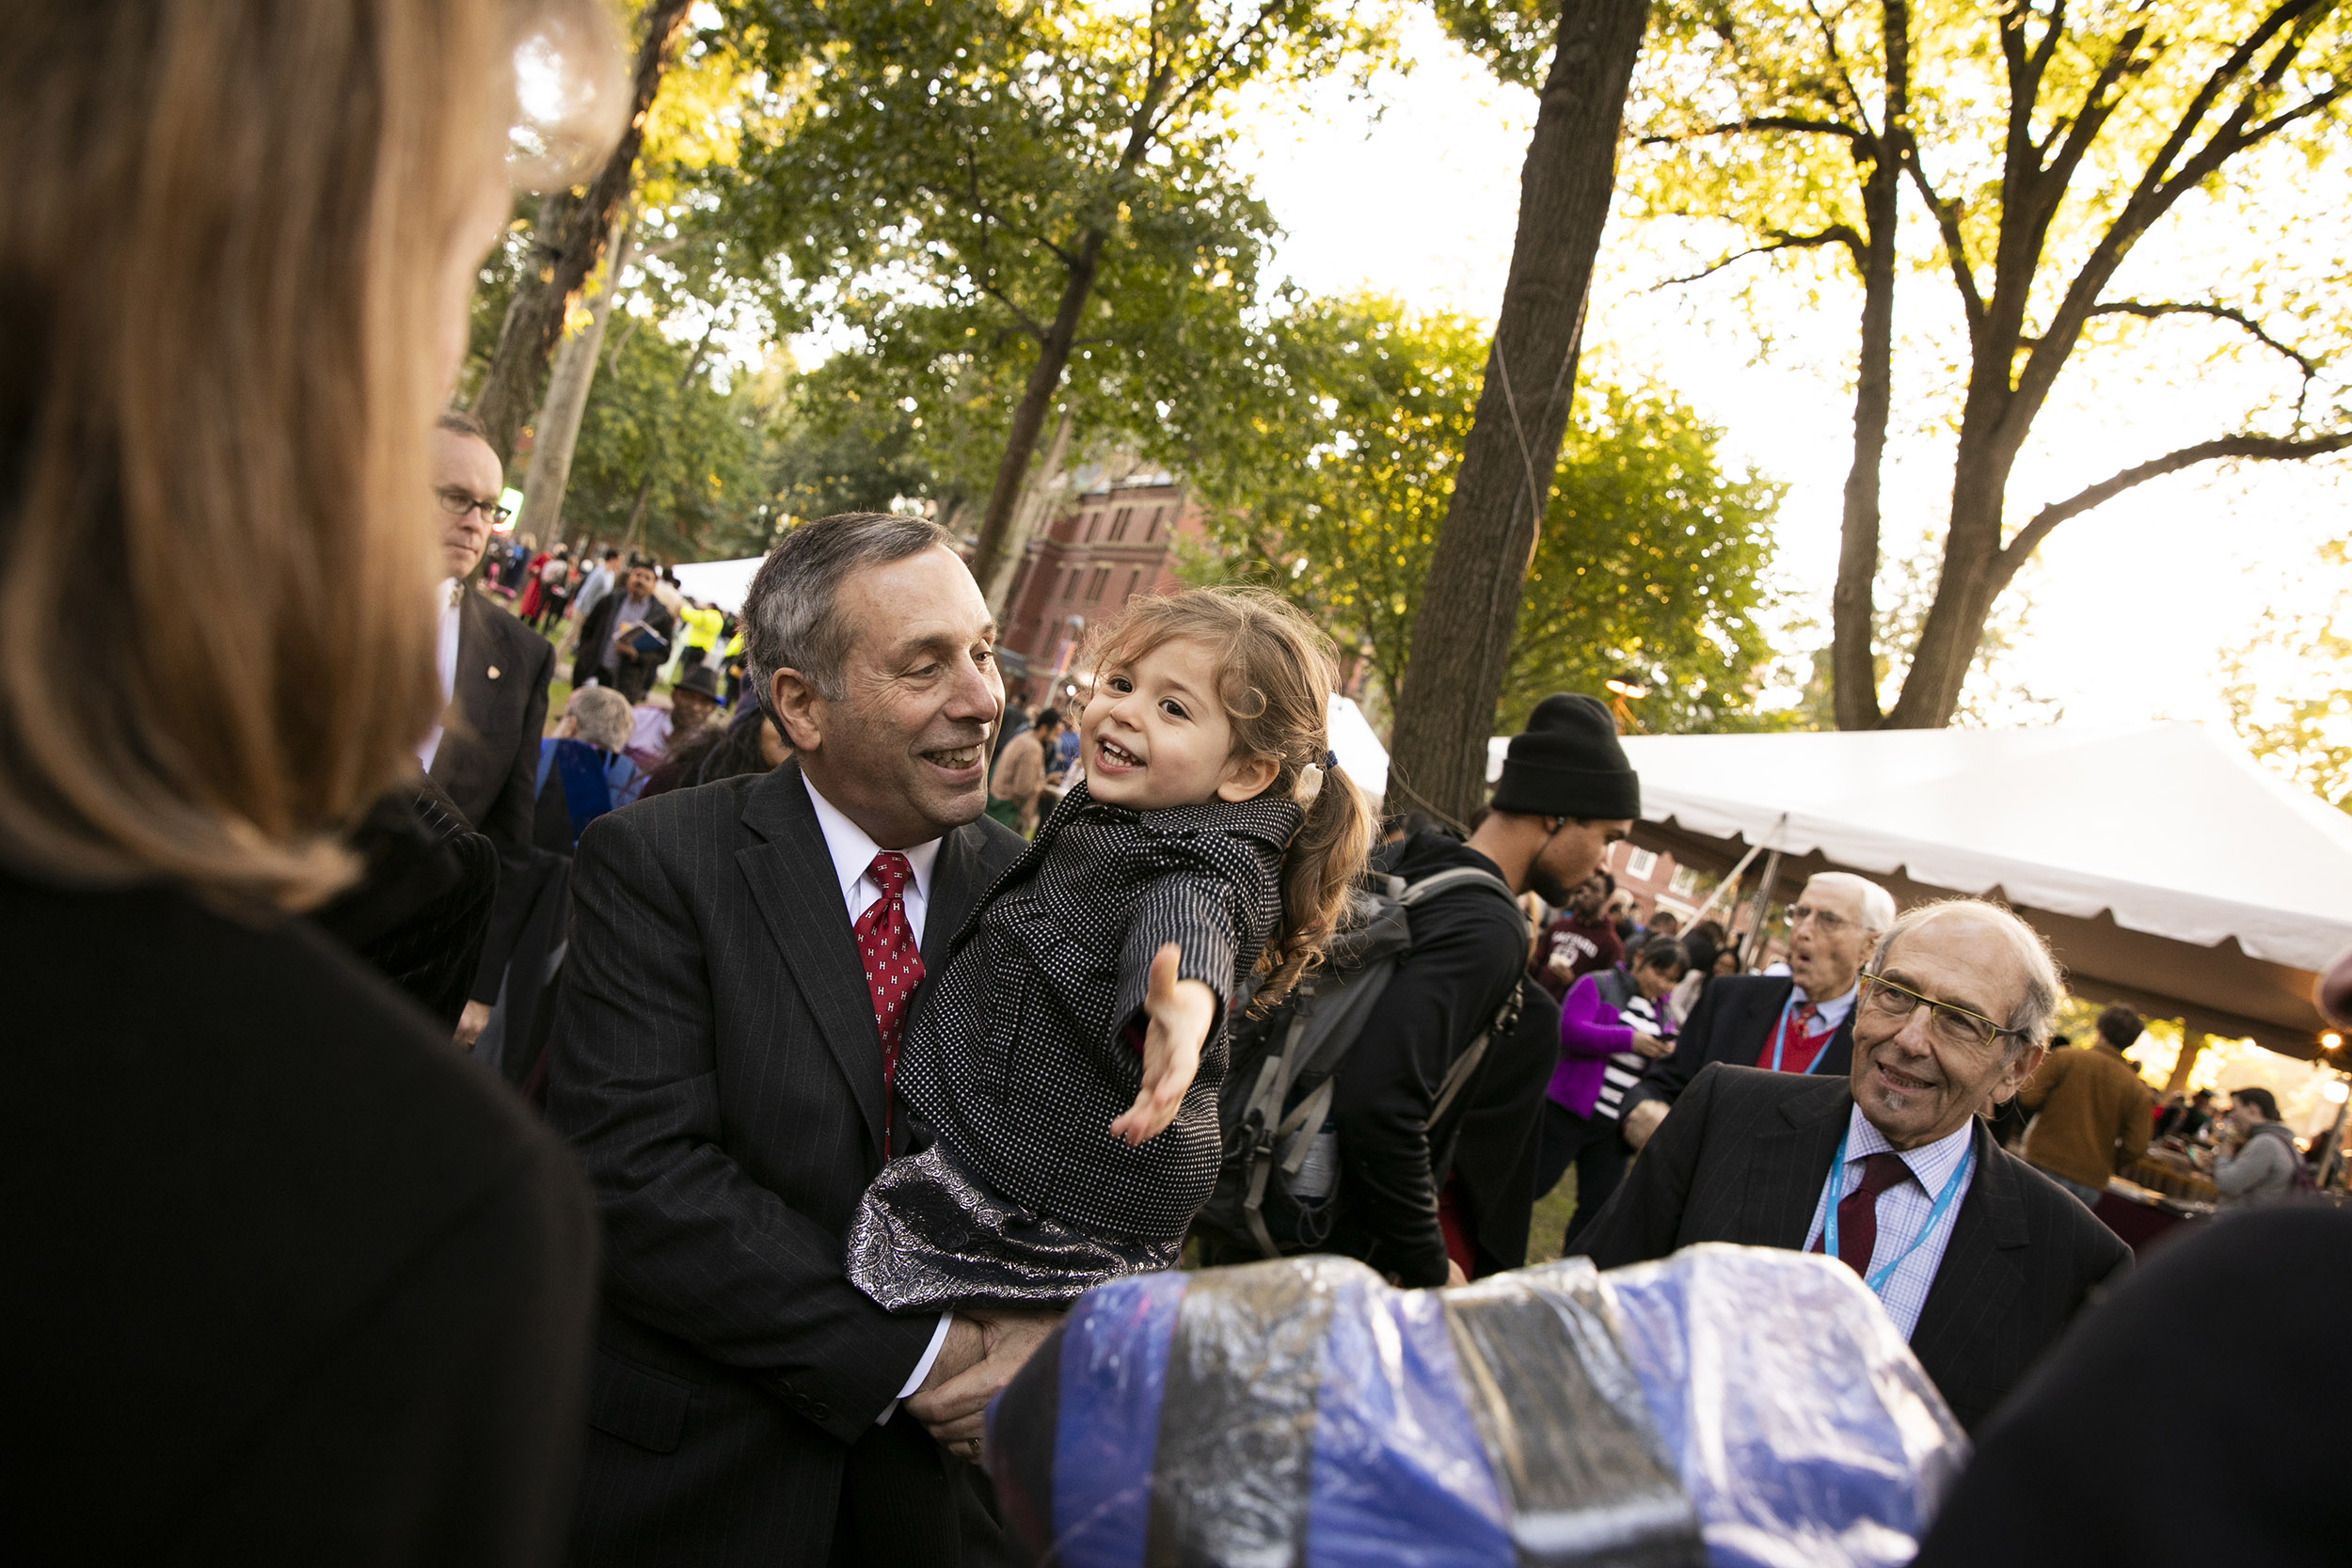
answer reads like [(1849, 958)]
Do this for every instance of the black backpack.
[(1281, 1154)]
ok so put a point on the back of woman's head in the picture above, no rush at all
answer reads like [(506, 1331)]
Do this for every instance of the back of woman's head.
[(601, 715), (233, 260), (1276, 676)]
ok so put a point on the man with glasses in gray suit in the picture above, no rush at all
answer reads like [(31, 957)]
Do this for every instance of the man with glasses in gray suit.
[(1977, 1259)]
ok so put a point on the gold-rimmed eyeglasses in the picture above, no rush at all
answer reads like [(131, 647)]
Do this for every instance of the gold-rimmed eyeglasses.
[(1948, 1023)]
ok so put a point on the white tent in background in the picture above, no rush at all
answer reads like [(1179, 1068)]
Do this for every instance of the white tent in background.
[(2167, 869), (720, 582), (1361, 755)]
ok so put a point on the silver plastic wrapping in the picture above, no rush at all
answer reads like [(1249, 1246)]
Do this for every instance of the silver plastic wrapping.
[(1806, 1433)]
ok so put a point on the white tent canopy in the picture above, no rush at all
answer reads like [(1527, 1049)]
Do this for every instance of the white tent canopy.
[(2165, 866), (719, 582)]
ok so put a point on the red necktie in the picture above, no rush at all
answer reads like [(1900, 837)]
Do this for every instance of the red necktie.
[(894, 965), (1858, 1212), (1788, 1043)]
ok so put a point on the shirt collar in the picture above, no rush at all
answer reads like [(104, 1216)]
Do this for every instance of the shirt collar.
[(1931, 1164), (1832, 1012), (852, 851)]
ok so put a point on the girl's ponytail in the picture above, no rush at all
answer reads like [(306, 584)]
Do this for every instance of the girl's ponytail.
[(1322, 864)]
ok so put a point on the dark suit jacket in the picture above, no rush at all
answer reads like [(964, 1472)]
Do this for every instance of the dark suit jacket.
[(2269, 1488), (589, 660), (716, 1063), (1742, 1159), (289, 1279), (488, 759), (420, 910), (1732, 1022)]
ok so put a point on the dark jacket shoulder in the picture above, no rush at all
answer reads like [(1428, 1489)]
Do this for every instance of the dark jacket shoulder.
[(274, 1180)]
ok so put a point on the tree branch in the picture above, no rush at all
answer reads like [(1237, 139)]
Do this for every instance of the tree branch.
[(2267, 449), (1762, 123), (2309, 366), (1836, 233)]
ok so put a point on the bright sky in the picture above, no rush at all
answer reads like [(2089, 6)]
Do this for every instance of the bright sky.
[(1415, 192)]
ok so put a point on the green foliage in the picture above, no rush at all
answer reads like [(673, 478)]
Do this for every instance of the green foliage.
[(1327, 475), (2290, 692), (945, 176)]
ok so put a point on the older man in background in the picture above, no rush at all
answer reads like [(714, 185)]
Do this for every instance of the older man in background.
[(1977, 1260), (1801, 1022)]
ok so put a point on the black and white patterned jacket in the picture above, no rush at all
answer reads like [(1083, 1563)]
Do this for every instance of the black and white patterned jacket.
[(1022, 1057)]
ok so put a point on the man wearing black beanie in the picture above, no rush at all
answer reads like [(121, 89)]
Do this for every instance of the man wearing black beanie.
[(1566, 795)]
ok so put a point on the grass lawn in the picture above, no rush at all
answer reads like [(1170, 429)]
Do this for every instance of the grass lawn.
[(1552, 1220)]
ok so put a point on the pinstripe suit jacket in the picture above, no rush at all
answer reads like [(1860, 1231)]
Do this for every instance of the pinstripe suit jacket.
[(716, 1065), (1743, 1157)]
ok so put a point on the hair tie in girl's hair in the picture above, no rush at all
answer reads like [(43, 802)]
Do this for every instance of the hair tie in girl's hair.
[(1310, 785), (1330, 760)]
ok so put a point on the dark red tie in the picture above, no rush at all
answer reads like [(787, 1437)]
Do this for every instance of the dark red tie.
[(1858, 1212), (894, 965)]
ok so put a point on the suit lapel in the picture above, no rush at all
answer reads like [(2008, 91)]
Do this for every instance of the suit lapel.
[(791, 881), (1790, 1161), (1837, 1056), (1983, 1269)]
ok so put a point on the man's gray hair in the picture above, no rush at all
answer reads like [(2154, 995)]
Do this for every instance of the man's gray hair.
[(2045, 987), (789, 616), (1877, 904), (602, 717)]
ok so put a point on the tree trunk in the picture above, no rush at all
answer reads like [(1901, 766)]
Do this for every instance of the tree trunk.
[(1853, 662), (989, 551), (1965, 590), (568, 385), (1035, 498), (1461, 637), (571, 235)]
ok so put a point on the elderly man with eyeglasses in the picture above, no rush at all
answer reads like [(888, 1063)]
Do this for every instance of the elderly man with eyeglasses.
[(1977, 1259), (1801, 1021)]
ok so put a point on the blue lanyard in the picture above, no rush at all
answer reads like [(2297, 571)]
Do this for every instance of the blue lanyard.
[(1780, 1035), (1879, 1277)]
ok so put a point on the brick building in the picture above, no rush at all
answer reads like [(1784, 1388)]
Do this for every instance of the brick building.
[(1115, 540)]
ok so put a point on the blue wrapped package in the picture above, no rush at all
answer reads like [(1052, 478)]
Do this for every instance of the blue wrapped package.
[(1303, 1414)]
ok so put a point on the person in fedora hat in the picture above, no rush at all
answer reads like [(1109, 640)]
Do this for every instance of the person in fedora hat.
[(657, 731)]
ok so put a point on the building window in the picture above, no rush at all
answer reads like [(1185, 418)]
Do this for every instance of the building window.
[(1640, 864), (1070, 585), (1094, 589), (1686, 882), (1119, 522), (1135, 580), (1093, 518), (1151, 525)]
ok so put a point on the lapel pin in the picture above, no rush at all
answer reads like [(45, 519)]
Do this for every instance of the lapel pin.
[(494, 672)]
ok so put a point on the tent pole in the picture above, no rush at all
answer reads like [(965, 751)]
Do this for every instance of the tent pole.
[(1756, 910), (2192, 1045)]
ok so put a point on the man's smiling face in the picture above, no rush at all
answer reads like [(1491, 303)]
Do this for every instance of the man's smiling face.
[(1913, 1083), (904, 752)]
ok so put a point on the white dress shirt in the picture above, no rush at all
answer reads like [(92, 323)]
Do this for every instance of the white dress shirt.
[(1903, 1209), (1829, 1014), (854, 853), (445, 659)]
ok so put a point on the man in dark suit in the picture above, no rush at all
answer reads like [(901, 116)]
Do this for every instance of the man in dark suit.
[(1801, 1022), (485, 754), (722, 1062), (608, 637), (1978, 1261)]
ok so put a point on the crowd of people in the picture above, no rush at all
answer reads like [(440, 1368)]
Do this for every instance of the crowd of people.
[(446, 1135)]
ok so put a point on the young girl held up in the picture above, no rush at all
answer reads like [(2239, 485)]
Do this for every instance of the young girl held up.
[(1067, 1065)]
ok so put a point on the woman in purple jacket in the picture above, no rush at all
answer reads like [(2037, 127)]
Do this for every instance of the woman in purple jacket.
[(1612, 1023)]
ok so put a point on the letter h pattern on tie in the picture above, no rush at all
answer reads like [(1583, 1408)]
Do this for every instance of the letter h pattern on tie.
[(894, 965)]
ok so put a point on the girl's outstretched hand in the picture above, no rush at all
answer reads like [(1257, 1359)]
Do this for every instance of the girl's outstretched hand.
[(1181, 1013)]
